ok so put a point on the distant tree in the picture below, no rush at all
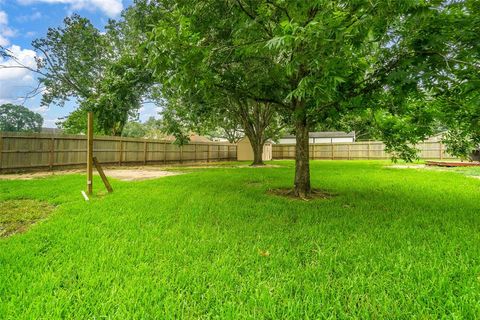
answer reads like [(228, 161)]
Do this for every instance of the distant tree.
[(15, 118), (234, 118), (155, 128), (151, 129), (229, 129), (134, 129)]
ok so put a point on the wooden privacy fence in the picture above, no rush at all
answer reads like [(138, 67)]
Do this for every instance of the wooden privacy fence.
[(373, 150), (20, 151)]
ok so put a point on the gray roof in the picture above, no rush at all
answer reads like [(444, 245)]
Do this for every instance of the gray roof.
[(328, 134)]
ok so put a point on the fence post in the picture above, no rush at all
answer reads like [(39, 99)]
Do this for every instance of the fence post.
[(165, 153), (368, 150), (120, 153), (349, 146), (313, 151), (181, 154), (333, 155), (441, 150), (145, 153), (52, 153), (208, 153)]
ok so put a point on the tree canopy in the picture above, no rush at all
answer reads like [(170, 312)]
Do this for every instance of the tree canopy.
[(100, 70), (15, 118), (314, 61)]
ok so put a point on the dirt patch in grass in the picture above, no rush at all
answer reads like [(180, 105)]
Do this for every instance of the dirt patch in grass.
[(288, 193), (37, 175), (125, 174), (17, 216), (138, 174)]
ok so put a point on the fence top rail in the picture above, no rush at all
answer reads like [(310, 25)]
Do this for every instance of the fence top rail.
[(329, 144), (372, 143), (35, 135)]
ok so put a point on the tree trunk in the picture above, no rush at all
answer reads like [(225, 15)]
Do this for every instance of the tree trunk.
[(257, 146), (302, 188)]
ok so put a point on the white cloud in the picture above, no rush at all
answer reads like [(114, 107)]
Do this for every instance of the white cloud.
[(111, 8), (41, 109), (5, 31), (16, 82), (3, 18), (4, 41), (149, 110)]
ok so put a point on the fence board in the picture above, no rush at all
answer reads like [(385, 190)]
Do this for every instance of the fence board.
[(23, 151), (373, 150)]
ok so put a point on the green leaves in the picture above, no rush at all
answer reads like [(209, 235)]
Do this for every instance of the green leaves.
[(15, 118), (338, 58)]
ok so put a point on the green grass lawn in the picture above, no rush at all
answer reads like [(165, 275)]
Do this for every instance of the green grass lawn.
[(393, 243)]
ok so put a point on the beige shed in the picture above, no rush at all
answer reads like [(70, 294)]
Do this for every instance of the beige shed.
[(245, 150)]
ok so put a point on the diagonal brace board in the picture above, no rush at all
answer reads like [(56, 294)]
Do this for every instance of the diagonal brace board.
[(102, 175)]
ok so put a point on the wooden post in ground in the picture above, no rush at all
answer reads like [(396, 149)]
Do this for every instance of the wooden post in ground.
[(90, 153)]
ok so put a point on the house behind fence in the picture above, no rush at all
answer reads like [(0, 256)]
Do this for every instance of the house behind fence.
[(21, 151)]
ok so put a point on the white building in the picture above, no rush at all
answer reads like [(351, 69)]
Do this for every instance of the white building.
[(322, 137)]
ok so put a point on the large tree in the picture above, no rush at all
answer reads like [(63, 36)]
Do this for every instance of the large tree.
[(15, 118), (101, 71), (312, 60)]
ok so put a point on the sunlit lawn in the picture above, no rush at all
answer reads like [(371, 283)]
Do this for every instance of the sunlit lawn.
[(393, 243)]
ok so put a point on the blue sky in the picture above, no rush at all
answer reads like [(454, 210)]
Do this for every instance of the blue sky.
[(22, 21)]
